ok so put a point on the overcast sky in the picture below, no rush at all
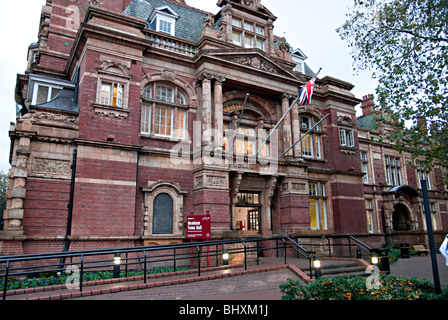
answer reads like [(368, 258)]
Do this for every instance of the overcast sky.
[(308, 25)]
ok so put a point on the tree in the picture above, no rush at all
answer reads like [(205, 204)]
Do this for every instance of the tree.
[(3, 187), (405, 44)]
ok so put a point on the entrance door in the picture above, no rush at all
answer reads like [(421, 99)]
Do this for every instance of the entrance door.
[(253, 218), (247, 211)]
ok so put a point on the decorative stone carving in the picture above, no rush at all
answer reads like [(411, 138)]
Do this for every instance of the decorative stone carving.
[(55, 117), (51, 166), (217, 181), (255, 63), (111, 111)]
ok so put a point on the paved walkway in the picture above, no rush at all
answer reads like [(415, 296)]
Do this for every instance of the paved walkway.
[(421, 267)]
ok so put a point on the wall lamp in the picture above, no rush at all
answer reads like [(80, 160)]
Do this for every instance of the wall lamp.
[(225, 258), (317, 264)]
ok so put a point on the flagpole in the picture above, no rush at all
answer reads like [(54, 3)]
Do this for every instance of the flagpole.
[(241, 116), (301, 138), (284, 116)]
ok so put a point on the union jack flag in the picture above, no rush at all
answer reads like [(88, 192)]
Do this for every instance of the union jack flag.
[(306, 92)]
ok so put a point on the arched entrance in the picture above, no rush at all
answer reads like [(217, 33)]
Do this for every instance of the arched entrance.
[(401, 218)]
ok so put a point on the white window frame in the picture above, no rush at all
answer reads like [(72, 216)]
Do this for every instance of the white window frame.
[(49, 93), (369, 214), (347, 138), (165, 26), (164, 97), (160, 15), (110, 100), (365, 167)]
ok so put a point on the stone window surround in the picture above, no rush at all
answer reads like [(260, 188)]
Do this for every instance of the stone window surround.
[(177, 195)]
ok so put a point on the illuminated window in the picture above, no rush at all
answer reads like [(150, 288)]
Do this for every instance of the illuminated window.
[(158, 115), (112, 94), (318, 206), (311, 141), (237, 37)]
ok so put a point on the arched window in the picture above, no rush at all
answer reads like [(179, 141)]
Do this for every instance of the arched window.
[(311, 142), (163, 214), (164, 202), (249, 135), (164, 111)]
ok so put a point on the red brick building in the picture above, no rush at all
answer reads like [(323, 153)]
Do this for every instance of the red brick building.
[(129, 110)]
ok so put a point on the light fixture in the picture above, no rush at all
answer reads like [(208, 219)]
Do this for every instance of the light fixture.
[(317, 264), (375, 260), (117, 262), (225, 258)]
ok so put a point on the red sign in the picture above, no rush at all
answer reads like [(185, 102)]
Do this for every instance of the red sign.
[(199, 227)]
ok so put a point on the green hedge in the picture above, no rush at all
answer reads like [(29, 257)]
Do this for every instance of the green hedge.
[(354, 288), (49, 280)]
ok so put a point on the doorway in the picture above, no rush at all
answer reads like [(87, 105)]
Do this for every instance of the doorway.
[(400, 218), (247, 212)]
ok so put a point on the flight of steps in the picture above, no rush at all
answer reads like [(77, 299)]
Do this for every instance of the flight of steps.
[(332, 268)]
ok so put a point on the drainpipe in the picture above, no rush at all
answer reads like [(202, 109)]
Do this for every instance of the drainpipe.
[(70, 208)]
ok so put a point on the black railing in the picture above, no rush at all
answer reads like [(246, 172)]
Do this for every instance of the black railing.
[(140, 258), (339, 245)]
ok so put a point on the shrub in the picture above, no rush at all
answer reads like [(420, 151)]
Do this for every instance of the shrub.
[(354, 288), (43, 281)]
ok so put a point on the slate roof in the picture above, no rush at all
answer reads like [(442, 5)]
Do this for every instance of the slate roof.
[(368, 122), (188, 26)]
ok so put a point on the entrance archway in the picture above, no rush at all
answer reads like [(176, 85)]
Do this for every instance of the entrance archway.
[(401, 218)]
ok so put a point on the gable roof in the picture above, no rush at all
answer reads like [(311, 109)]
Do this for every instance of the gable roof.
[(189, 26)]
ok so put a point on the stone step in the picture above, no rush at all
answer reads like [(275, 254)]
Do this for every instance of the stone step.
[(341, 269)]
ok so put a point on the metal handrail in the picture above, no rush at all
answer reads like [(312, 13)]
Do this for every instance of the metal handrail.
[(142, 257)]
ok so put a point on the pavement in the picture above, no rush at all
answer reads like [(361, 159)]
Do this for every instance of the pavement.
[(231, 283), (421, 267)]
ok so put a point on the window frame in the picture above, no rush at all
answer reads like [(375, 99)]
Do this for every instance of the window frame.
[(318, 199), (175, 104), (248, 34), (49, 93), (346, 138), (312, 144), (394, 175)]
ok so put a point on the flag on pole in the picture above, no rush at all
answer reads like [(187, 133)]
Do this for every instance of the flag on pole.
[(444, 249), (307, 92)]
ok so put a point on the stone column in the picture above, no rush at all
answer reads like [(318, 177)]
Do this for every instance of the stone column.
[(206, 108), (218, 116), (297, 150), (287, 136), (270, 45)]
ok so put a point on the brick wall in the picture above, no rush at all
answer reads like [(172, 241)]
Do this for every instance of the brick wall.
[(46, 207)]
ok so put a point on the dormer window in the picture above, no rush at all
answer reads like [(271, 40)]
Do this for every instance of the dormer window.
[(299, 58), (163, 19)]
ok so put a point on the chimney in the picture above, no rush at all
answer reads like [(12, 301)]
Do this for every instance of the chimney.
[(367, 105)]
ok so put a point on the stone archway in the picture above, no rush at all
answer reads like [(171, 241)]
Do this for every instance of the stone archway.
[(401, 218)]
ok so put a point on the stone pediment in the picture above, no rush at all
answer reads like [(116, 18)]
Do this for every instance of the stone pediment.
[(253, 61)]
